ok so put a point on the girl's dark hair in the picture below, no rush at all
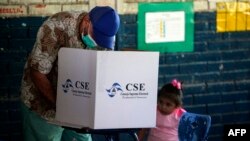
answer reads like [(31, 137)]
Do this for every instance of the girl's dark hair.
[(172, 93)]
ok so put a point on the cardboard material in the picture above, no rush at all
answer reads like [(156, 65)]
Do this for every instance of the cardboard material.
[(107, 89)]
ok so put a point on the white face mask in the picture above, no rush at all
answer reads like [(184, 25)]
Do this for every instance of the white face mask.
[(89, 41)]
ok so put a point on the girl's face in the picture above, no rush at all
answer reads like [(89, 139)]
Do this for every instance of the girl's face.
[(166, 106)]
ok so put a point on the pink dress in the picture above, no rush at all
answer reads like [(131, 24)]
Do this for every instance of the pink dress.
[(166, 126)]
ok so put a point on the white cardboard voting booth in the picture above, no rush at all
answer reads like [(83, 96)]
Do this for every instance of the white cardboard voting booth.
[(107, 89)]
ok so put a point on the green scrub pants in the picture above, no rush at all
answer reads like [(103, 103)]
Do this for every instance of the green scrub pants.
[(36, 128)]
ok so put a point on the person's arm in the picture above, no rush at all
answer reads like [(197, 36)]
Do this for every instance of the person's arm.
[(43, 85), (42, 59)]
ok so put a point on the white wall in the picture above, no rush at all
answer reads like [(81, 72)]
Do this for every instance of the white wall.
[(47, 7)]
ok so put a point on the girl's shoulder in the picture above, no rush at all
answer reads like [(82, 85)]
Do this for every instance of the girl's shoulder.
[(179, 111)]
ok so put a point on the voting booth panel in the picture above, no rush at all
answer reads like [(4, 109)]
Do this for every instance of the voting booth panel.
[(107, 89)]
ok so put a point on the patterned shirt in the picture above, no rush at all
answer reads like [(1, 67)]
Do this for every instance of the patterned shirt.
[(59, 30), (166, 126)]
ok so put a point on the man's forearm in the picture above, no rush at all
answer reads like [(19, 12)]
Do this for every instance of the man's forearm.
[(43, 85)]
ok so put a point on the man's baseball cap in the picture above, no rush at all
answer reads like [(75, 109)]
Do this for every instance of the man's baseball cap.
[(105, 22)]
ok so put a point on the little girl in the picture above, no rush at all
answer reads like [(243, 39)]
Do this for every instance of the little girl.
[(169, 111)]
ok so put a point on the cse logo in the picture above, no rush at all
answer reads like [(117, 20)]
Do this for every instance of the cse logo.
[(116, 88), (135, 87), (78, 84)]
